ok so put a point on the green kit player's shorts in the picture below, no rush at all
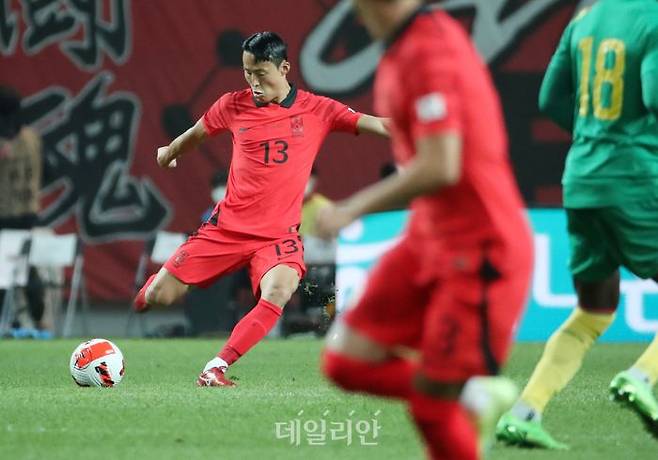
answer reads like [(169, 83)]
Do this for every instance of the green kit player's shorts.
[(602, 239)]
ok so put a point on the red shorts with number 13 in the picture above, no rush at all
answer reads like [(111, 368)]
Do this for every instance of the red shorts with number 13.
[(212, 252)]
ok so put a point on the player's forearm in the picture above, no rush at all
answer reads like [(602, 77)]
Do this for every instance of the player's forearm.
[(437, 164), (398, 190), (373, 125), (187, 141)]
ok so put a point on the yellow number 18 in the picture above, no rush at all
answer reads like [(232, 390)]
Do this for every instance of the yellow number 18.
[(604, 75)]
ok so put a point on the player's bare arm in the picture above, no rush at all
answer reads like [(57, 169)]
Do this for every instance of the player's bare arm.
[(437, 164), (190, 139), (373, 125)]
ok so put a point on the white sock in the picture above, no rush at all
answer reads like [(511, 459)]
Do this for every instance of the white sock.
[(216, 362), (640, 375), (475, 397), (525, 412)]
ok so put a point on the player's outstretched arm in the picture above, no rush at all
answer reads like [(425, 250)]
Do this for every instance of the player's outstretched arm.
[(190, 139), (437, 164), (373, 125)]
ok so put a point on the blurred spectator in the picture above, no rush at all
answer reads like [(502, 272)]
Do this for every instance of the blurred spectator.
[(217, 191), (313, 201), (20, 182)]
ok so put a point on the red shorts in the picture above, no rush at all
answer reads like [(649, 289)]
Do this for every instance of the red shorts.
[(462, 322), (213, 252)]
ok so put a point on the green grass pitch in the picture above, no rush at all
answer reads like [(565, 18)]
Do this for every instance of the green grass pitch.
[(157, 412)]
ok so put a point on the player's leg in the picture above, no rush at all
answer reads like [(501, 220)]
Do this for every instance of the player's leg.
[(562, 358), (636, 231), (275, 273), (444, 424), (205, 256), (276, 287), (356, 363), (362, 351), (468, 330), (565, 350), (164, 289), (596, 279), (160, 289)]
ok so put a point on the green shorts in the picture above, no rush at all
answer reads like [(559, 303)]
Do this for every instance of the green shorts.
[(603, 239)]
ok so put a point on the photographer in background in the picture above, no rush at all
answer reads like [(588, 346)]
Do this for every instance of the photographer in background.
[(20, 183)]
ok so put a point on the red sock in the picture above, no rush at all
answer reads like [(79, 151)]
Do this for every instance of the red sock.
[(446, 428), (250, 330), (139, 303), (391, 378)]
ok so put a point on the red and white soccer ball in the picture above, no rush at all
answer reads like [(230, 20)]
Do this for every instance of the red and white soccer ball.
[(97, 363)]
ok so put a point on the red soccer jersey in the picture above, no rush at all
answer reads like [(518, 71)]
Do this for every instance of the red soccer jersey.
[(274, 146), (431, 80)]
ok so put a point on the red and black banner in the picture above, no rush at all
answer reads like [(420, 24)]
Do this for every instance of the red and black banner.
[(108, 81)]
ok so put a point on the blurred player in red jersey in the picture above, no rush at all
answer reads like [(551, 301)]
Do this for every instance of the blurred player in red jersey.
[(455, 285), (277, 130)]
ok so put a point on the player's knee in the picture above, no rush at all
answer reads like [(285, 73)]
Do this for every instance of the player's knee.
[(278, 294), (350, 343)]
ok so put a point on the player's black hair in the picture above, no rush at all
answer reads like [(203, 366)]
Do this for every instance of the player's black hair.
[(266, 46), (10, 112)]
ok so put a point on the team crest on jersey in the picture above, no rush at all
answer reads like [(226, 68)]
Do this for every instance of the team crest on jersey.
[(297, 126)]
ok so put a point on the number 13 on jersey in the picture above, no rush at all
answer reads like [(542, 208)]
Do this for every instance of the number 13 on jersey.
[(608, 78), (280, 151)]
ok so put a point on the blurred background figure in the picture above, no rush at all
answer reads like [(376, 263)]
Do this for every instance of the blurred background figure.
[(20, 182), (312, 202), (217, 191)]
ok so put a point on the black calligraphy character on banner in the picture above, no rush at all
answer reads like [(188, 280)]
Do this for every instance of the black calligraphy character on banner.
[(8, 28), (88, 151), (48, 21), (52, 21), (111, 37)]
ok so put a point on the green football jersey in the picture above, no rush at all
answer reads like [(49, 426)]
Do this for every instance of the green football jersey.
[(602, 84)]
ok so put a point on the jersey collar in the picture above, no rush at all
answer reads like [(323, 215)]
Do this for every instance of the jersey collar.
[(286, 103)]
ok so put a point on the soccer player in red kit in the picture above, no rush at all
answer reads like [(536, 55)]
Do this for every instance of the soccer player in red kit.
[(277, 130), (455, 285)]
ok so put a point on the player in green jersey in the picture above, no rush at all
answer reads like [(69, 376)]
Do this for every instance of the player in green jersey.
[(601, 84)]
